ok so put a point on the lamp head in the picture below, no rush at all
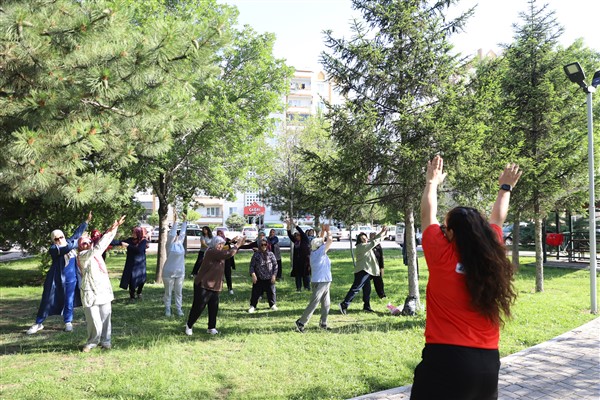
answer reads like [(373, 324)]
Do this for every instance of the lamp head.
[(575, 74), (596, 79)]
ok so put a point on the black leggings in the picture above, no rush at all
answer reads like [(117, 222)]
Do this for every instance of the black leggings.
[(455, 372), (132, 290), (202, 298), (228, 275), (198, 263)]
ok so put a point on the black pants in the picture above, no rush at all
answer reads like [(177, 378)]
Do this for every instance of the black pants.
[(361, 281), (279, 267), (132, 290), (379, 287), (300, 280), (198, 263), (263, 285), (228, 275), (456, 373), (202, 298)]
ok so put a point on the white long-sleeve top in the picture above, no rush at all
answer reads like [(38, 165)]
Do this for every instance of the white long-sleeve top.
[(175, 265), (95, 283)]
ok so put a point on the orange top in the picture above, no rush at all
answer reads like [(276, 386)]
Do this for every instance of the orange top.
[(450, 317)]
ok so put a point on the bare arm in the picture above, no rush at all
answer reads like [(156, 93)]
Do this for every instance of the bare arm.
[(510, 176), (434, 177)]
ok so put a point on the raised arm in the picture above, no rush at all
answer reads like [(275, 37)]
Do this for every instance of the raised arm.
[(507, 180), (435, 176), (328, 238)]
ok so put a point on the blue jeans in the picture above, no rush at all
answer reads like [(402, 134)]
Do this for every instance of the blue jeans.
[(361, 278)]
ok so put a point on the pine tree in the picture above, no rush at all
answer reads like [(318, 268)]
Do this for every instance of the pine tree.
[(396, 66)]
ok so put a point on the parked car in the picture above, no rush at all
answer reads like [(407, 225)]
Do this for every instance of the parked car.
[(154, 235), (284, 240), (391, 233), (250, 232), (194, 237), (336, 233), (366, 229)]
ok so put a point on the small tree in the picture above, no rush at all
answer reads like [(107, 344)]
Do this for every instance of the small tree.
[(235, 222)]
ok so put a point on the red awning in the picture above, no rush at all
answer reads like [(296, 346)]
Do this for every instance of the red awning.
[(254, 209)]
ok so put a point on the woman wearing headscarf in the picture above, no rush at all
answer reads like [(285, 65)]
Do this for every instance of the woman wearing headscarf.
[(469, 291), (134, 272), (96, 290), (301, 258), (263, 270), (174, 268), (61, 287), (274, 244)]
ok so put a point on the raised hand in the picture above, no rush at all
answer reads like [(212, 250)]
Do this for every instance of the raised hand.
[(510, 175), (435, 171)]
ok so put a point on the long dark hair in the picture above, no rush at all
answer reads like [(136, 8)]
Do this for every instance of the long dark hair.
[(488, 272), (358, 241), (210, 235)]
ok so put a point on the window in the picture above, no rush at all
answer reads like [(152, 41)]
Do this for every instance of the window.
[(232, 210), (213, 211)]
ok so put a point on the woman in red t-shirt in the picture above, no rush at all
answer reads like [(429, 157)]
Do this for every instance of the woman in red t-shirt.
[(469, 291)]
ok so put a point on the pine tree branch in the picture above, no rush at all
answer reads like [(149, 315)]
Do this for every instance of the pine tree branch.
[(106, 107)]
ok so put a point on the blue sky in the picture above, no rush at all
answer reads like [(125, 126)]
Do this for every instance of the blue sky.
[(298, 24)]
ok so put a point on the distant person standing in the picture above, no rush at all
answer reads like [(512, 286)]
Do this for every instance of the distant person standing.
[(274, 243), (320, 280), (61, 287), (366, 268), (229, 263), (206, 241), (134, 272), (301, 257), (469, 291), (96, 290), (378, 280), (173, 271)]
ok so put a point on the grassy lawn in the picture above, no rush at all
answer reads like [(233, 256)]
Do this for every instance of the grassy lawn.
[(257, 356)]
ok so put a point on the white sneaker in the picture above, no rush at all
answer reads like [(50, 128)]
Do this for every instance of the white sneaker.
[(251, 310), (231, 291), (212, 331), (68, 327), (87, 348), (274, 307), (35, 328), (188, 331), (167, 312)]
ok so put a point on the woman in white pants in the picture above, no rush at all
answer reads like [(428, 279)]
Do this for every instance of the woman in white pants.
[(96, 290), (174, 268)]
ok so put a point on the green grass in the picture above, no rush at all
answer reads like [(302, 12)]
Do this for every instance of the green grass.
[(255, 356)]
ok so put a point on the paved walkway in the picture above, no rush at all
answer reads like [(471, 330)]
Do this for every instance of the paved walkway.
[(566, 367)]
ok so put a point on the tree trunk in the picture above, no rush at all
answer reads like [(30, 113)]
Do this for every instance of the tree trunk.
[(163, 226), (516, 235), (539, 256), (411, 252)]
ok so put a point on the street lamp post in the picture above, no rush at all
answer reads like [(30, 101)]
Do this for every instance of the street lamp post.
[(575, 74)]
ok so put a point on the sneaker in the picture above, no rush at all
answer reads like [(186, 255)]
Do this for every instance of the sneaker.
[(251, 310), (168, 312), (87, 348), (212, 331), (299, 326), (343, 309), (324, 327), (188, 331), (138, 296), (368, 309), (180, 313), (35, 328), (231, 291), (106, 346), (274, 307), (68, 327)]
